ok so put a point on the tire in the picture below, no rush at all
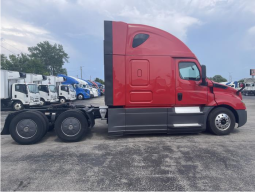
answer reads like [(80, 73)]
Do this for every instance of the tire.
[(27, 128), (80, 97), (45, 120), (221, 121), (71, 126), (17, 106), (62, 100), (42, 102)]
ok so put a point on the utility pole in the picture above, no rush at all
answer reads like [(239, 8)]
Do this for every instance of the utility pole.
[(81, 72)]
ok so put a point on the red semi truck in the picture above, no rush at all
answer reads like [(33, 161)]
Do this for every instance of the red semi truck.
[(153, 84)]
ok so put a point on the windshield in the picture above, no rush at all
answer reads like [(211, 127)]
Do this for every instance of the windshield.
[(32, 88), (52, 88), (71, 88)]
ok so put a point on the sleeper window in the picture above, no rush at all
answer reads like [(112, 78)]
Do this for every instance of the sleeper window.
[(139, 39)]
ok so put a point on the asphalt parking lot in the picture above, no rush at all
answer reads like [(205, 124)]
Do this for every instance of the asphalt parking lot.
[(141, 162)]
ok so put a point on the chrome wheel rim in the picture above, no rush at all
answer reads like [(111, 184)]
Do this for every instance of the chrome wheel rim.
[(222, 121), (71, 126), (62, 101), (26, 128), (80, 97), (41, 103), (17, 106)]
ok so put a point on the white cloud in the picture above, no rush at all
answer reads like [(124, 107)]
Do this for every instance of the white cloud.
[(18, 35), (249, 39)]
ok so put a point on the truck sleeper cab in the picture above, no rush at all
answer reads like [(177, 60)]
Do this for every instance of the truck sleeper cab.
[(153, 84), (48, 94)]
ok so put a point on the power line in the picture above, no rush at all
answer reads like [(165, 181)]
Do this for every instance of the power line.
[(8, 49), (11, 45)]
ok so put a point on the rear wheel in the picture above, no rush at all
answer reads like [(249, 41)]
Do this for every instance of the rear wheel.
[(45, 120), (80, 97), (221, 121), (71, 126), (27, 128), (17, 106)]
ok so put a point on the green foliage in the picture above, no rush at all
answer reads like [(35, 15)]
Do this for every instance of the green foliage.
[(53, 57), (99, 80), (241, 81), (23, 63), (45, 59), (217, 78)]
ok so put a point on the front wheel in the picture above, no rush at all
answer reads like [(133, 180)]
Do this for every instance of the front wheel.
[(17, 106), (221, 121), (42, 102), (62, 100), (80, 97)]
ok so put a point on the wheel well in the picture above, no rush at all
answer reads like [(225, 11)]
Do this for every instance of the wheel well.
[(228, 107), (13, 101)]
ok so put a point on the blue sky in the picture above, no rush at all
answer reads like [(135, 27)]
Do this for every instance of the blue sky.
[(221, 33)]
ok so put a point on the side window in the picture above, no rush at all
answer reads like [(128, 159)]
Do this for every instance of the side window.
[(189, 71), (20, 88), (139, 39), (40, 88), (64, 88)]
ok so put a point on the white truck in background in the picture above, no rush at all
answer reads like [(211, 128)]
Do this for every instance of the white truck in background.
[(64, 92), (16, 93), (249, 86), (48, 93)]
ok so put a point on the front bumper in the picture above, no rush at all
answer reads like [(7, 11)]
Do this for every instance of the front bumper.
[(242, 117), (34, 103), (54, 101)]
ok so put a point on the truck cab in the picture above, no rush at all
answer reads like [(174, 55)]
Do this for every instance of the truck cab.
[(249, 86), (154, 83), (48, 94), (25, 95), (66, 93)]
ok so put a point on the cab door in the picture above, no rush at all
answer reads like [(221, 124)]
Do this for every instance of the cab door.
[(189, 90)]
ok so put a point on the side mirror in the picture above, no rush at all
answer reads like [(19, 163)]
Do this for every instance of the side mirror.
[(204, 83)]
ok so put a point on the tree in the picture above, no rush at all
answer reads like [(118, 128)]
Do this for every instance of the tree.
[(23, 63), (52, 57), (218, 78), (99, 80)]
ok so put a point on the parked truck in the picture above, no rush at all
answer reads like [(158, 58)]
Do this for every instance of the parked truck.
[(249, 86), (153, 84), (80, 92), (48, 92), (84, 85), (17, 93), (65, 92)]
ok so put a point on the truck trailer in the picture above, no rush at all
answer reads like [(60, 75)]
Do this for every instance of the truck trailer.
[(153, 84)]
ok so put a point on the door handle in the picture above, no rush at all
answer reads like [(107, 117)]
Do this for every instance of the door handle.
[(179, 96)]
